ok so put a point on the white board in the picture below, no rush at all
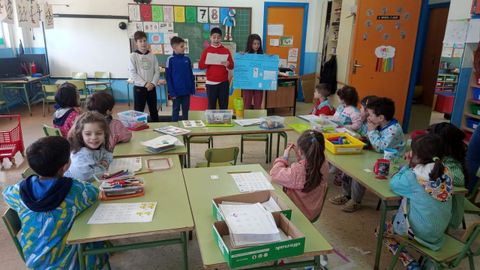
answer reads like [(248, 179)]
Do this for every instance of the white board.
[(87, 45)]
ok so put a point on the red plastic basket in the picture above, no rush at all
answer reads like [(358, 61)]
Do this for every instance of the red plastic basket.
[(11, 141)]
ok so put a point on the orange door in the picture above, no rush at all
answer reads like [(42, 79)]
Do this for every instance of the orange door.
[(291, 17), (383, 49)]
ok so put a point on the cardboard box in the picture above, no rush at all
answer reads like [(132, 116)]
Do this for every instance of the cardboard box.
[(262, 253), (308, 86), (253, 197)]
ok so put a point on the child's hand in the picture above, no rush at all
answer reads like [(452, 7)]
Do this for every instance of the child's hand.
[(225, 63), (104, 163), (371, 126), (150, 86)]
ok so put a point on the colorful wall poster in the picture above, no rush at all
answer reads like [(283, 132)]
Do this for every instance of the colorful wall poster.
[(166, 27), (286, 41), (169, 36), (191, 14), (146, 13), (167, 49), (23, 13), (202, 14), (134, 27), (292, 54), (187, 47), (255, 71), (168, 14), (156, 48), (157, 13), (179, 12), (155, 38), (134, 13), (47, 16), (150, 27), (223, 14), (385, 58)]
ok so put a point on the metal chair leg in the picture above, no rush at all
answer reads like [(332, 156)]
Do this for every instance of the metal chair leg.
[(241, 149)]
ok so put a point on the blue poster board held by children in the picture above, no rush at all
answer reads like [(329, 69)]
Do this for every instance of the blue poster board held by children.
[(255, 71)]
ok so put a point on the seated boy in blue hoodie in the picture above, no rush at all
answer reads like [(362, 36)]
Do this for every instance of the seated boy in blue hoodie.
[(47, 203), (180, 79)]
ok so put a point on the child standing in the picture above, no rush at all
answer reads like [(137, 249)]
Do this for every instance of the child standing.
[(217, 74), (455, 152), (180, 80), (347, 113), (103, 103), (426, 188), (254, 45), (68, 103), (47, 203), (89, 139), (304, 181), (144, 72), (322, 105)]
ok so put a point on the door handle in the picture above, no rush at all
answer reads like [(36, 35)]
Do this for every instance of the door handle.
[(355, 66)]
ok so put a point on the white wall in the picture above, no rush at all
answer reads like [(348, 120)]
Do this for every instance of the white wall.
[(459, 10)]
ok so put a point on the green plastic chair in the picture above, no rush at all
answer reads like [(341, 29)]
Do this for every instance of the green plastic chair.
[(27, 172), (248, 114), (51, 131), (219, 157), (3, 104), (102, 77), (199, 115), (450, 255), (13, 224), (79, 76), (81, 87), (49, 91), (470, 206)]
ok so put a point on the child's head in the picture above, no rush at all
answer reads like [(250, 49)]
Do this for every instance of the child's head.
[(49, 156), (380, 110), (178, 45), (254, 44), (312, 146), (141, 40), (216, 36), (426, 149), (322, 91), (90, 130), (363, 106), (453, 141), (67, 96), (101, 102), (348, 95)]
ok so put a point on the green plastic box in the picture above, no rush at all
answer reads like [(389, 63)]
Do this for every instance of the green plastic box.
[(475, 109)]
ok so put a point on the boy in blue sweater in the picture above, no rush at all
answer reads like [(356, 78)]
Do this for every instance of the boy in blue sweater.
[(180, 80)]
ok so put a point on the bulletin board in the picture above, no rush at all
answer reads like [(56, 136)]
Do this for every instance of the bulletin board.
[(192, 23)]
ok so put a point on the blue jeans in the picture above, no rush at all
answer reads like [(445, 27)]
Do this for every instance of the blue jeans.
[(184, 102)]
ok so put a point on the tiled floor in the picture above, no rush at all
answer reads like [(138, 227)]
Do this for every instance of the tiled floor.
[(350, 234)]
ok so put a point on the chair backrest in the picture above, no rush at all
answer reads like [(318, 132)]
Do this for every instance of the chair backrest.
[(28, 172), (102, 75), (49, 89), (471, 235), (13, 135), (196, 115), (474, 192), (79, 84), (254, 113), (219, 155), (323, 205), (13, 224), (51, 131), (79, 75)]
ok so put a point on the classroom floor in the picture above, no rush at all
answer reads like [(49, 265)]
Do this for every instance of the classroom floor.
[(350, 234)]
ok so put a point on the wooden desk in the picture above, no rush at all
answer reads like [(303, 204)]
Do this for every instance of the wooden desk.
[(201, 189), (23, 85), (172, 216), (134, 148), (284, 96)]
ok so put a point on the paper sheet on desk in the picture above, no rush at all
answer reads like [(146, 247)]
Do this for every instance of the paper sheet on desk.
[(250, 182), (109, 213), (132, 164), (162, 140), (215, 58)]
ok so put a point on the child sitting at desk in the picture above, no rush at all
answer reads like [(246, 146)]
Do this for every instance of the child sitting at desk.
[(364, 115), (455, 152), (103, 102), (322, 105), (68, 107), (427, 186), (304, 181), (89, 140), (347, 113), (47, 203)]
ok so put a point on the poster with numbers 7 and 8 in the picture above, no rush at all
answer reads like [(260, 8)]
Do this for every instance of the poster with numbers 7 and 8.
[(255, 71)]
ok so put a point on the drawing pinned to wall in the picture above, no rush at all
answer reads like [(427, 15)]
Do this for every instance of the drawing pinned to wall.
[(150, 27), (282, 62), (165, 27), (292, 55), (370, 12), (157, 13), (365, 36), (447, 50), (274, 42), (167, 49), (134, 27), (231, 46), (179, 12), (134, 13), (386, 36), (35, 13), (229, 22), (407, 16), (214, 15), (3, 11), (6, 11), (155, 38), (379, 27), (191, 14), (47, 16), (458, 50), (187, 47), (385, 58), (169, 36), (384, 11), (168, 14), (368, 23), (403, 35), (23, 13), (202, 14), (456, 31), (292, 66), (286, 41), (397, 25), (275, 30), (156, 48), (146, 13)]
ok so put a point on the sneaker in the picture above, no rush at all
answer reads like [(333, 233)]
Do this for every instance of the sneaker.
[(350, 206), (339, 200), (337, 180), (413, 266)]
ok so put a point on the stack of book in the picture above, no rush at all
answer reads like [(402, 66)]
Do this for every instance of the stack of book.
[(161, 144)]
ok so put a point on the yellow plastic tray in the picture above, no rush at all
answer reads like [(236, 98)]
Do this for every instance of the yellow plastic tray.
[(355, 146)]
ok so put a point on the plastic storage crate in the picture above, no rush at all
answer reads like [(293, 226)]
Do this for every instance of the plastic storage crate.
[(475, 109), (472, 123), (219, 118), (133, 120), (272, 122), (354, 145), (476, 93)]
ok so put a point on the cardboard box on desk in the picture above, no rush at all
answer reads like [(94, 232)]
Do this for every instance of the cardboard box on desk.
[(239, 257), (308, 86), (253, 197)]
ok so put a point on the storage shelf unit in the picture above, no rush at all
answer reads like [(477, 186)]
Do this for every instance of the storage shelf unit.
[(470, 116), (333, 28)]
